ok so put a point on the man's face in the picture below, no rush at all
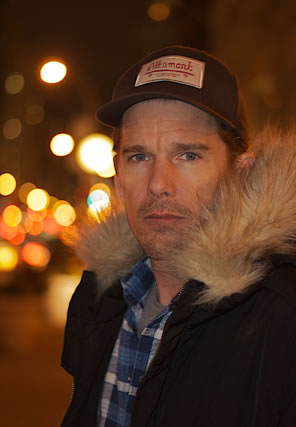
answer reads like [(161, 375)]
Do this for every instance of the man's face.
[(170, 161)]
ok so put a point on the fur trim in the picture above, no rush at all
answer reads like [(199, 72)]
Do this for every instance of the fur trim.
[(250, 222), (108, 247), (252, 219)]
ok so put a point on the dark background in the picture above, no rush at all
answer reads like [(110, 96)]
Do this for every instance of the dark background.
[(98, 40)]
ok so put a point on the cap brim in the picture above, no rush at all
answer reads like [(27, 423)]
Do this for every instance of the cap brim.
[(111, 113)]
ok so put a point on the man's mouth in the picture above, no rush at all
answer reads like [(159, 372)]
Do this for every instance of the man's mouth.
[(162, 217)]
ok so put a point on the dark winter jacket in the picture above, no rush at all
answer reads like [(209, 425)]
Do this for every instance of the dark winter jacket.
[(227, 357)]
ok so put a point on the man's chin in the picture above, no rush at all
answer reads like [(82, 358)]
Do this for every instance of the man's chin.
[(160, 245)]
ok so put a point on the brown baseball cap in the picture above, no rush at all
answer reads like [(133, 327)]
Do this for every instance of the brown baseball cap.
[(183, 73)]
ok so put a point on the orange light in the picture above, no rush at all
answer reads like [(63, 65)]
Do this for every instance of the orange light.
[(36, 228), (7, 232), (36, 216), (159, 11), (20, 236), (51, 227), (35, 255)]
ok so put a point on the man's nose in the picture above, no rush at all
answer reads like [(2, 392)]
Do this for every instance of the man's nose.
[(162, 179)]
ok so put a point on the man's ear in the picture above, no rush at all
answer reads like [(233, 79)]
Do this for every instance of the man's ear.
[(118, 186), (245, 162)]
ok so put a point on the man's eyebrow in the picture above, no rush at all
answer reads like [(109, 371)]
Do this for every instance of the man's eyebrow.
[(134, 148), (181, 146)]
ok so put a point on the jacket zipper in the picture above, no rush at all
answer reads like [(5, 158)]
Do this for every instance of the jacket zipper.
[(157, 349)]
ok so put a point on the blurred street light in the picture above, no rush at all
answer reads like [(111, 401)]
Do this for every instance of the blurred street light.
[(95, 155), (7, 184), (38, 199), (158, 11), (8, 257), (53, 72), (62, 144)]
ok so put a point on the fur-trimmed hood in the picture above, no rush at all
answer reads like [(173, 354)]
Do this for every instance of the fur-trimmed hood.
[(232, 248)]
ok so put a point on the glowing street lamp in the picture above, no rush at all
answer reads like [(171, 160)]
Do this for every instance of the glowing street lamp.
[(95, 155), (62, 144), (53, 72)]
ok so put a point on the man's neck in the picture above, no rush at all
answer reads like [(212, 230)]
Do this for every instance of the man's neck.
[(167, 286)]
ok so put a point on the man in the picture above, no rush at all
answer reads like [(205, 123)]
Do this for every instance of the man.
[(190, 319)]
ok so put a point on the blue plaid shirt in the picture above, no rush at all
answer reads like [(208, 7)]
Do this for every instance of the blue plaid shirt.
[(131, 354)]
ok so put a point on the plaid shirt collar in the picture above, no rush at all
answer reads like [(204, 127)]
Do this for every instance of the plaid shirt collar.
[(136, 284)]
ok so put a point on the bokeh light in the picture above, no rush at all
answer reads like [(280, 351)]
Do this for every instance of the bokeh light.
[(12, 216), (62, 144), (24, 190), (95, 155), (14, 83), (35, 254), (7, 184), (34, 114), (19, 237), (36, 215), (98, 200), (12, 128), (8, 257), (33, 227), (100, 186), (158, 11), (53, 72), (37, 199), (7, 232), (64, 213), (59, 292)]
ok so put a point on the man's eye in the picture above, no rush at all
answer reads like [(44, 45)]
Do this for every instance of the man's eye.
[(140, 157), (189, 156)]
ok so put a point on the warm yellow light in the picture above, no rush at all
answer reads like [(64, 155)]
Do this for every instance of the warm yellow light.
[(35, 255), (12, 128), (24, 190), (53, 72), (64, 213), (95, 155), (7, 184), (62, 144), (14, 83), (158, 11), (38, 199), (58, 295), (8, 257), (12, 216)]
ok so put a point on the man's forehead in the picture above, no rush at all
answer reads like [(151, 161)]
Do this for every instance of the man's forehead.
[(178, 113), (148, 127)]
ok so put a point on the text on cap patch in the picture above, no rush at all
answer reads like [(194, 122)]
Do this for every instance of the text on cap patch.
[(178, 69)]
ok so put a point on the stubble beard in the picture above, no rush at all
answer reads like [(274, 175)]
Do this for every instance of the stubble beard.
[(158, 241)]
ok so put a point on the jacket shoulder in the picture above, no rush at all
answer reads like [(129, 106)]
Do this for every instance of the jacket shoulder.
[(282, 281), (77, 310)]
